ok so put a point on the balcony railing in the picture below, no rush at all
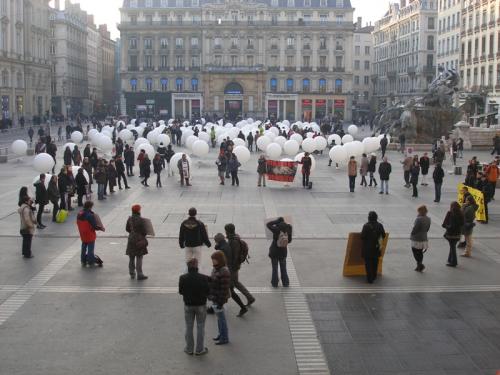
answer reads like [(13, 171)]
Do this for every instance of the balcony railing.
[(230, 23), (234, 69), (306, 69), (339, 69)]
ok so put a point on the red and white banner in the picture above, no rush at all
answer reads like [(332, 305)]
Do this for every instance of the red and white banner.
[(282, 171)]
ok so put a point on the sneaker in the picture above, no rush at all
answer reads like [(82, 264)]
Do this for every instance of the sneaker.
[(142, 277), (203, 352), (40, 226), (132, 276), (250, 302), (222, 342), (243, 311), (188, 352)]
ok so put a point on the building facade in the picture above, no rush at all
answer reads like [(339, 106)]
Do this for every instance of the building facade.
[(405, 50), (70, 81), (24, 60), (107, 47), (362, 68), (94, 67), (286, 59), (480, 51), (448, 45)]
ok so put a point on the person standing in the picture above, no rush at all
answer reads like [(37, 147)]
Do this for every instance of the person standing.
[(363, 170), (87, 226), (168, 156), (383, 145), (372, 235), (469, 209), (384, 171), (372, 167), (306, 162), (219, 294), (112, 174), (438, 177), (419, 240), (100, 179), (86, 151), (137, 244), (76, 156), (120, 171), (261, 170), (233, 165), (81, 186), (425, 163), (485, 187), (352, 172), (402, 143), (453, 223), (41, 198), (145, 169), (250, 141), (221, 163), (31, 133), (158, 162), (194, 288), (129, 158), (184, 170), (28, 222), (414, 173), (88, 168), (234, 263), (68, 156), (54, 196), (192, 235), (278, 251), (62, 184), (492, 176), (407, 164)]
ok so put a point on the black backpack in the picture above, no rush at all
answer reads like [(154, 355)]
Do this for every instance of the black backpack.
[(244, 252)]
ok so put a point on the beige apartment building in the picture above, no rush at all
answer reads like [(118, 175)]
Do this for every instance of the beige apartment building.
[(448, 45), (24, 61), (286, 59), (107, 48), (405, 50)]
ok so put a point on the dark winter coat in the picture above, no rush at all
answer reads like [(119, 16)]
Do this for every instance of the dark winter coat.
[(41, 194), (100, 175), (220, 282), (438, 175), (145, 167), (193, 233), (371, 234), (169, 154), (157, 165), (112, 175), (424, 165), (262, 166), (68, 157), (414, 173), (420, 228), (469, 218), (221, 163), (63, 182), (372, 165), (53, 192), (233, 262), (137, 243), (81, 184), (76, 156), (384, 170), (194, 288), (233, 164), (87, 152), (453, 225), (129, 157), (276, 227), (120, 167)]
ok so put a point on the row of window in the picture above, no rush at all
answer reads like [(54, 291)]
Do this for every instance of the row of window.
[(274, 3), (289, 85), (357, 65), (479, 18), (451, 22), (443, 4), (449, 45), (481, 47), (481, 77), (164, 84)]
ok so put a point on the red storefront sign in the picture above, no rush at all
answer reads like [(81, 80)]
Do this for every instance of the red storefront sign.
[(339, 103), (320, 102), (306, 104)]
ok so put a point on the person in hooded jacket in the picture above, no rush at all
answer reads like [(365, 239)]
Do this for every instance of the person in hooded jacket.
[(193, 235), (68, 156), (76, 156), (82, 186), (87, 227), (372, 234), (41, 198), (278, 251)]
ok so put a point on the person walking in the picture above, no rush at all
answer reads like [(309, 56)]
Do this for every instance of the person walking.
[(41, 198), (54, 196), (306, 162), (453, 223), (414, 173), (193, 235), (88, 168), (233, 165), (261, 170), (137, 244), (184, 170), (278, 251), (158, 162), (372, 235), (76, 156), (469, 209), (87, 227), (238, 257), (425, 163), (68, 156), (407, 164), (438, 177), (28, 222), (352, 172), (221, 163), (194, 288), (129, 158), (100, 178), (363, 170), (419, 241), (250, 141), (145, 168), (168, 156), (372, 167), (219, 294), (120, 171), (112, 175), (82, 186), (402, 143)]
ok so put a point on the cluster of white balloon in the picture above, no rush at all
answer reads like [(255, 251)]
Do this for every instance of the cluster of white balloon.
[(347, 147)]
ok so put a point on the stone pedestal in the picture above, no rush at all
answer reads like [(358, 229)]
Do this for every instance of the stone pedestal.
[(463, 129)]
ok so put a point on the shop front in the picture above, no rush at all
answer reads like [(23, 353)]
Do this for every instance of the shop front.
[(187, 105), (281, 106), (320, 107)]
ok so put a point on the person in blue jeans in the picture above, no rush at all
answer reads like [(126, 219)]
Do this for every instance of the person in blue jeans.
[(278, 251), (220, 282), (87, 226)]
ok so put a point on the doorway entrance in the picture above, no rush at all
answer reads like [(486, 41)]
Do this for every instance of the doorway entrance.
[(233, 109)]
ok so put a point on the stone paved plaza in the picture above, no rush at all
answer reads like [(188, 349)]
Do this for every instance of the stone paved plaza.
[(58, 318)]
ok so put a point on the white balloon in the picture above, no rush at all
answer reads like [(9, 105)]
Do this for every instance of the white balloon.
[(299, 157), (358, 148), (274, 130), (152, 137), (43, 163), (338, 154), (125, 135), (150, 150), (242, 154), (310, 135), (321, 143), (204, 136), (48, 176), (175, 159), (350, 149), (270, 134), (140, 141), (263, 142), (336, 138), (291, 147), (77, 137), (139, 131), (352, 130), (200, 148), (92, 134), (163, 139), (273, 151), (239, 142), (347, 138), (297, 138), (309, 145), (105, 144), (190, 140), (228, 125), (74, 171), (280, 140), (19, 147), (70, 145)]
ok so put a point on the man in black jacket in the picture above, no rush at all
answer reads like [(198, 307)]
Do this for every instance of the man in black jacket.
[(120, 171), (384, 171), (438, 176), (41, 198), (194, 288), (192, 235), (129, 156)]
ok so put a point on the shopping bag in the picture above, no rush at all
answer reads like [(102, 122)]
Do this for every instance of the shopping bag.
[(61, 216)]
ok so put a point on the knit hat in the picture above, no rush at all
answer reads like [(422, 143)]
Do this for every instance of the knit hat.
[(219, 237), (136, 208)]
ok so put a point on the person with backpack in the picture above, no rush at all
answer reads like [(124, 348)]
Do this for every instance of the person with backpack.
[(239, 252), (192, 235), (87, 226), (278, 251), (372, 234)]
